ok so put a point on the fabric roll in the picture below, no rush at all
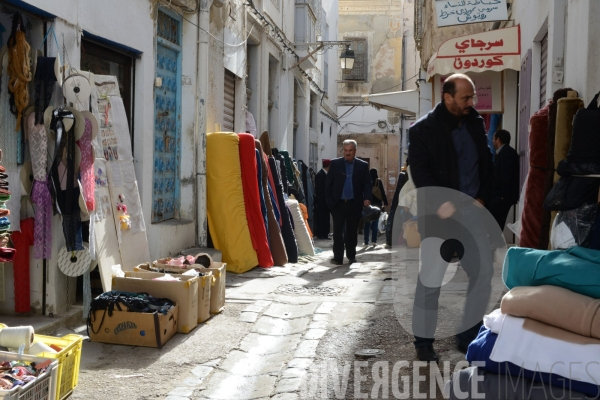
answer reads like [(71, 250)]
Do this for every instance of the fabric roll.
[(22, 240), (304, 211), (275, 240), (263, 205), (265, 142), (567, 108), (286, 184), (551, 366), (273, 192), (287, 231), (477, 383), (256, 225), (225, 203), (531, 218), (310, 204), (288, 166), (555, 306), (575, 269), (305, 246)]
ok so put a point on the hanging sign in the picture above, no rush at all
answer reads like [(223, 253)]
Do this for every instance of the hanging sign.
[(495, 50), (458, 12)]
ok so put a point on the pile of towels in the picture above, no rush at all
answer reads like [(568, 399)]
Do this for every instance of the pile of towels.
[(544, 340)]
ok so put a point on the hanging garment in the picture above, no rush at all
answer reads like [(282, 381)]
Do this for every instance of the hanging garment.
[(22, 240), (575, 269), (531, 218), (225, 202), (19, 68), (258, 233), (40, 196), (286, 229), (288, 166), (43, 83), (275, 240), (87, 165)]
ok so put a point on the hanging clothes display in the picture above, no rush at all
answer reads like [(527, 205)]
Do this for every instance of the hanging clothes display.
[(87, 160), (43, 82), (65, 193), (258, 233)]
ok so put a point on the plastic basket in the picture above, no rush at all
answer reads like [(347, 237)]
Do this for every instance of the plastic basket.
[(43, 388), (69, 359)]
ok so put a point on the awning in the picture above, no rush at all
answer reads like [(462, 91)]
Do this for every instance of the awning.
[(495, 50), (406, 102)]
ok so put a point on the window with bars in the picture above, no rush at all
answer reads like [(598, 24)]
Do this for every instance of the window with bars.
[(360, 69)]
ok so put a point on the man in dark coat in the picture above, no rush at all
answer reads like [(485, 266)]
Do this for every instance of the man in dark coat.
[(348, 190), (322, 210), (448, 150), (505, 192)]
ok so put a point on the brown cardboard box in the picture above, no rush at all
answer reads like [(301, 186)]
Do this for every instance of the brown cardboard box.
[(217, 292), (133, 329), (184, 292), (204, 291)]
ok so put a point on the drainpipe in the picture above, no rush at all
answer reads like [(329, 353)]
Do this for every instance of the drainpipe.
[(201, 116)]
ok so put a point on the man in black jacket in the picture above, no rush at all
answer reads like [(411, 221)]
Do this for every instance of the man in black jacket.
[(348, 190), (505, 192), (448, 149), (321, 208)]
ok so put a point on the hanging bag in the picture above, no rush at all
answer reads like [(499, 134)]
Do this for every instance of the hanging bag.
[(376, 190)]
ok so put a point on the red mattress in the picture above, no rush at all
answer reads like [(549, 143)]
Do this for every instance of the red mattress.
[(531, 219), (256, 224)]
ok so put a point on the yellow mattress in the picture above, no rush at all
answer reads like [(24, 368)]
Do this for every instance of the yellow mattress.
[(225, 197)]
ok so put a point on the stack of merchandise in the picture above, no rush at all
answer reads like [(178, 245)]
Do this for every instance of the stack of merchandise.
[(20, 373), (250, 217), (6, 254), (546, 333)]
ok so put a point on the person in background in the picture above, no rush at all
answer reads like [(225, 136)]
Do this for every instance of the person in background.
[(322, 225), (348, 191), (379, 199), (505, 192)]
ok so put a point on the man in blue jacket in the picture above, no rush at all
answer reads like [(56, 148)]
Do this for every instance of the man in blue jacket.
[(348, 190), (448, 150)]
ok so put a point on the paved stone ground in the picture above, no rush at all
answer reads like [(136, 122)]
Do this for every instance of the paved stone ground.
[(280, 327)]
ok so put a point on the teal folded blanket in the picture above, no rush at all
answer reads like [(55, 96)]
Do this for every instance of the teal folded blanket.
[(576, 269)]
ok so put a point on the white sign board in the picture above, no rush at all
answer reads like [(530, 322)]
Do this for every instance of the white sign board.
[(458, 12)]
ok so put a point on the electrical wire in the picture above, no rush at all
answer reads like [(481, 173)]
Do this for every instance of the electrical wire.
[(214, 37)]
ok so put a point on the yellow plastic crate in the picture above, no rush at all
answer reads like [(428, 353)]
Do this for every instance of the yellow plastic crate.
[(68, 358)]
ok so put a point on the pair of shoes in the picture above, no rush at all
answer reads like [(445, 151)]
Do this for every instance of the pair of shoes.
[(352, 260), (426, 353), (336, 261)]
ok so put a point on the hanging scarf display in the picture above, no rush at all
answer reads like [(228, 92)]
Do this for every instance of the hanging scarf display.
[(40, 195), (43, 81), (87, 165), (19, 72), (65, 200)]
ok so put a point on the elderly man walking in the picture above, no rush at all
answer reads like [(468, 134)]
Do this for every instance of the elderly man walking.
[(348, 190)]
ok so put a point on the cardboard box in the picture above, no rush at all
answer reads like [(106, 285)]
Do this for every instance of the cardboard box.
[(215, 254), (184, 293), (133, 329), (204, 291), (217, 293)]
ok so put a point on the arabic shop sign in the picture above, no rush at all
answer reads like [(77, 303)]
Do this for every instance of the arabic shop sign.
[(457, 12), (495, 50)]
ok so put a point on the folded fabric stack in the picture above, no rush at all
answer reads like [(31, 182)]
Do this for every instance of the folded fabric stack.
[(7, 254), (547, 329)]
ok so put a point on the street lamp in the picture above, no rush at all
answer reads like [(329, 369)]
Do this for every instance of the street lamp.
[(346, 57), (347, 60)]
